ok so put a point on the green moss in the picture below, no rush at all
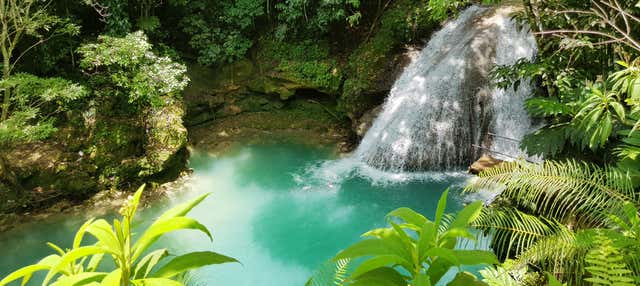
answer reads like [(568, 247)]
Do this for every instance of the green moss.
[(165, 138), (307, 63), (323, 75), (115, 139), (306, 50), (308, 117)]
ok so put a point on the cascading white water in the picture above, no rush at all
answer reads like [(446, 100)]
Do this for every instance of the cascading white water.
[(510, 120), (443, 103)]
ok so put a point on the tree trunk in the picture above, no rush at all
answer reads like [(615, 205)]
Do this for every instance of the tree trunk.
[(7, 91)]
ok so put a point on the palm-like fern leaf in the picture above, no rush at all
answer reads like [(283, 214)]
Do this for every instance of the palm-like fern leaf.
[(563, 191), (562, 253), (585, 256), (331, 273), (513, 231), (498, 277), (607, 265)]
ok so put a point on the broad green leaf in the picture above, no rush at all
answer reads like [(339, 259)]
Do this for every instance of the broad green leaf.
[(113, 278), (80, 279), (619, 109), (45, 264), (162, 227), (439, 253), (408, 244), (77, 240), (421, 280), (133, 203), (442, 205), (634, 89), (365, 248), (466, 279), (392, 241), (146, 264), (475, 257), (102, 230), (455, 233), (377, 262), (553, 281), (119, 231), (437, 269), (409, 216), (156, 282), (182, 209), (190, 261), (427, 238), (72, 256), (467, 215), (385, 276)]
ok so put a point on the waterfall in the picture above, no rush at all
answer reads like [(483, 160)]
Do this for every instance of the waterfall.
[(443, 103)]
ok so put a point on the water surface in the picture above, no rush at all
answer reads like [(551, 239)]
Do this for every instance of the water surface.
[(270, 208)]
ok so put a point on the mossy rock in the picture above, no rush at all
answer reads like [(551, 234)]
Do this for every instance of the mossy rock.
[(115, 139), (284, 88), (166, 136)]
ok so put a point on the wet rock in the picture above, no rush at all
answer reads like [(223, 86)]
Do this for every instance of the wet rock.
[(485, 162), (345, 147), (362, 125)]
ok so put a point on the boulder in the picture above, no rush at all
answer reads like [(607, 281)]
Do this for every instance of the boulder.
[(362, 125), (485, 162)]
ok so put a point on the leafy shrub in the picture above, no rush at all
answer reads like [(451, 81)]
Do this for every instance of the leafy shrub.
[(297, 17), (415, 250), (220, 31), (129, 67), (135, 263), (34, 104)]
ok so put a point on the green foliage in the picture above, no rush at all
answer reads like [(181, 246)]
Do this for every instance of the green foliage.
[(297, 17), (553, 215), (441, 10), (220, 31), (606, 265), (416, 250), (501, 276), (305, 62), (127, 67), (135, 263), (331, 273), (22, 22), (592, 41), (560, 190), (148, 24), (115, 15), (34, 104)]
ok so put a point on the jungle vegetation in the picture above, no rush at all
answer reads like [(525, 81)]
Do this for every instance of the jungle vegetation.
[(572, 219)]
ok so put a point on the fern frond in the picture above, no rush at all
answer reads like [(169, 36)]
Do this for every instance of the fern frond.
[(561, 191), (331, 273), (607, 265), (498, 276), (513, 231), (567, 254), (562, 253)]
